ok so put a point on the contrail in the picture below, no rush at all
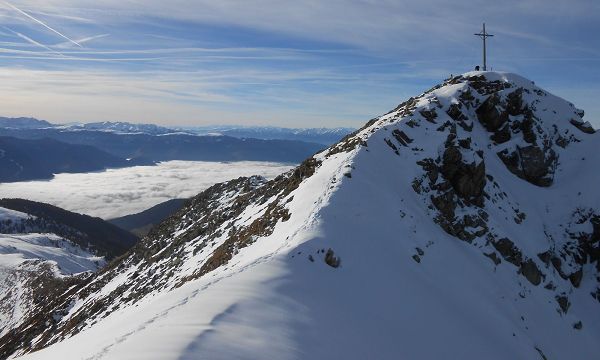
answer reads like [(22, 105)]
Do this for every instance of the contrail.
[(30, 40), (41, 23), (81, 41)]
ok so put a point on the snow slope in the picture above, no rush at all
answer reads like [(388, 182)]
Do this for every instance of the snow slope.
[(463, 224)]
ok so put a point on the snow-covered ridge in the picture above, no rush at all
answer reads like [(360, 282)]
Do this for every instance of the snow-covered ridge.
[(467, 217), (28, 260)]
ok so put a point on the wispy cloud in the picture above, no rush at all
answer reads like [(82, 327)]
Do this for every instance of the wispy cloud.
[(40, 22), (31, 41), (304, 63)]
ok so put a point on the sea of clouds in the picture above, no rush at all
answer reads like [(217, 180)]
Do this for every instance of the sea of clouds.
[(118, 192)]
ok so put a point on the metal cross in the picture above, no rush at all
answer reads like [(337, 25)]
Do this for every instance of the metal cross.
[(484, 35)]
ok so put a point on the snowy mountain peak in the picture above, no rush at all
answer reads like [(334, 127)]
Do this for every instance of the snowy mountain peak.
[(469, 216)]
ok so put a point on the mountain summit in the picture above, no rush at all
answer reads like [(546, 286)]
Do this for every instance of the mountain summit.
[(465, 224)]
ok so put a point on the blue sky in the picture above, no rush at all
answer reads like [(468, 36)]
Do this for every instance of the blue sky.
[(283, 63)]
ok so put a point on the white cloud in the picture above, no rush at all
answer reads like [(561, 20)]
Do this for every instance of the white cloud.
[(117, 192)]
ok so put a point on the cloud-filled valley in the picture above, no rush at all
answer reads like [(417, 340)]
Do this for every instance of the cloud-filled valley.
[(118, 192)]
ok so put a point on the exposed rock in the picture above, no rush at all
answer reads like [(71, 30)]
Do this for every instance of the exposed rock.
[(557, 263), (490, 114), (583, 126), (467, 97), (541, 353), (563, 302), (545, 257), (502, 135), (531, 164), (595, 220), (576, 277), (429, 115), (465, 143), (485, 87), (454, 111), (416, 258), (531, 272), (445, 204), (468, 180), (578, 325), (535, 166), (509, 251), (514, 103), (391, 145), (494, 258), (526, 127), (331, 259), (466, 228), (402, 137)]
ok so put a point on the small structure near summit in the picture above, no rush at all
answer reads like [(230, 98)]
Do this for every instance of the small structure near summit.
[(483, 35)]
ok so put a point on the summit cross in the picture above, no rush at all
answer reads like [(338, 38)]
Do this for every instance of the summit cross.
[(484, 35)]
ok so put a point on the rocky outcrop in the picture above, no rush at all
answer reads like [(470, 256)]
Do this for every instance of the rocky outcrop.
[(468, 180), (507, 116), (585, 127), (531, 163), (490, 113)]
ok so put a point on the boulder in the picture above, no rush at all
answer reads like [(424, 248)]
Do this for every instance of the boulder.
[(531, 272), (331, 259), (490, 114)]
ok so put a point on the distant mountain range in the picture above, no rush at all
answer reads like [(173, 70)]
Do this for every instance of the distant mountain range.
[(36, 149), (325, 136), (146, 149), (24, 123)]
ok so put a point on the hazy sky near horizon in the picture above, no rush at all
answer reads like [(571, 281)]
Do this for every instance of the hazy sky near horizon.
[(309, 63)]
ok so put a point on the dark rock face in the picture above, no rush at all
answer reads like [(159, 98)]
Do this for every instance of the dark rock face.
[(445, 204), (429, 115), (563, 302), (509, 251), (509, 116), (455, 112), (514, 103), (502, 135), (490, 113), (531, 272), (535, 166), (531, 163), (468, 180), (584, 127), (401, 137)]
